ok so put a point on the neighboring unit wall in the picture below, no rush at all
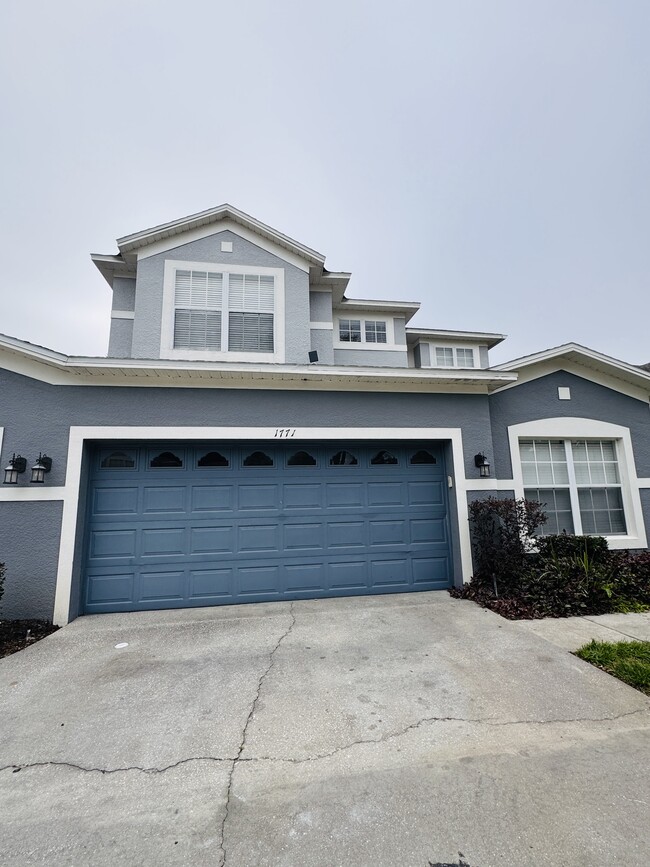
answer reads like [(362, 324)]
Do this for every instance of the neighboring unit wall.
[(149, 292), (588, 406)]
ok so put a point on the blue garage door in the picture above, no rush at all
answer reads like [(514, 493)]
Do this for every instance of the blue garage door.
[(177, 525)]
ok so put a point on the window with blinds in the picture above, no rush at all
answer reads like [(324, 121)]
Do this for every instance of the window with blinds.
[(578, 482), (215, 311)]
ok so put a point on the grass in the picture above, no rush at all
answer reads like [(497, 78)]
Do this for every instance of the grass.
[(629, 661)]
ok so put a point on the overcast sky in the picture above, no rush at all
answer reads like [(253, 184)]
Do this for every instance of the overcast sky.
[(486, 157)]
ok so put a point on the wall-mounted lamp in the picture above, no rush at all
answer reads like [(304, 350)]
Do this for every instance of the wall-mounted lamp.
[(481, 462), (14, 468), (43, 465)]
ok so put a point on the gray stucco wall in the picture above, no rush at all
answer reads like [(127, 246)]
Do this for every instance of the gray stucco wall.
[(320, 306), (538, 399), (149, 291), (40, 416), (123, 293), (372, 357), (120, 341), (29, 548), (422, 355), (321, 341)]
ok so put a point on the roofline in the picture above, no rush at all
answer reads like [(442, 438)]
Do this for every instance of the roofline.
[(488, 337), (79, 370), (565, 349), (136, 240), (409, 308)]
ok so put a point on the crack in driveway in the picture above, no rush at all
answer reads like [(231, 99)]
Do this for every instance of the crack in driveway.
[(234, 760), (242, 744)]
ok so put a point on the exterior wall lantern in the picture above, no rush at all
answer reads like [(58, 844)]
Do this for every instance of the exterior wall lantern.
[(43, 465), (16, 466), (481, 462)]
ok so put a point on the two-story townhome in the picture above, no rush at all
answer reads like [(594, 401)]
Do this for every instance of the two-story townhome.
[(256, 435)]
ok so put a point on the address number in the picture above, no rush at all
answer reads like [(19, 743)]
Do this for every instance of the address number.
[(285, 432)]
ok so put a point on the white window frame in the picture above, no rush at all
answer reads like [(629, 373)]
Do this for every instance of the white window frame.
[(433, 347), (167, 348), (589, 429), (352, 317)]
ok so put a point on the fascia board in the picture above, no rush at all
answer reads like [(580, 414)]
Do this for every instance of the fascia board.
[(131, 243), (490, 338), (574, 352)]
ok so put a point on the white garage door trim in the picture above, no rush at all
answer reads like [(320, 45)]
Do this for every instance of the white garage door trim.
[(80, 435)]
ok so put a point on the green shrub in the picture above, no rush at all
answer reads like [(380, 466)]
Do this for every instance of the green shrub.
[(502, 532)]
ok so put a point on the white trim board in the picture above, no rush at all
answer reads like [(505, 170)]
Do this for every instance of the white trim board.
[(122, 314), (80, 435), (33, 494), (585, 428)]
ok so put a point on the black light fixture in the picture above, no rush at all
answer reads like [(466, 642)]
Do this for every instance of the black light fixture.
[(14, 468), (313, 356), (481, 462), (43, 465)]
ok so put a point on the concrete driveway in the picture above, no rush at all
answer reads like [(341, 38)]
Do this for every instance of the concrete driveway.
[(394, 731)]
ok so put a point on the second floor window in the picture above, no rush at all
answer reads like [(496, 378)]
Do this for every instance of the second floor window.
[(362, 331), (218, 311), (350, 330), (375, 331), (447, 356)]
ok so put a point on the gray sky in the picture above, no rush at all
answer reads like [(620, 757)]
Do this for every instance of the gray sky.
[(486, 157)]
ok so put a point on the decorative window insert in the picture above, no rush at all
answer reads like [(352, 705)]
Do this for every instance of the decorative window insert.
[(422, 457), (218, 310), (350, 330), (166, 460), (258, 459), (301, 459), (118, 461), (213, 459), (343, 459), (578, 481), (383, 457), (375, 331)]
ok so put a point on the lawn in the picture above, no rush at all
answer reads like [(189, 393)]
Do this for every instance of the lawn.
[(629, 661)]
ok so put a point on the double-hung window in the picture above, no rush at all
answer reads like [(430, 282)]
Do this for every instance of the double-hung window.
[(578, 482), (375, 331), (350, 330), (218, 311)]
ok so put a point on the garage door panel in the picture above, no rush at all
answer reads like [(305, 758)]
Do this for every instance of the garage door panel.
[(162, 585), (115, 501), (213, 540), (163, 541), (112, 543), (216, 530), (305, 578), (109, 589), (347, 534), (304, 536), (345, 495), (259, 498), (211, 584), (348, 575), (425, 493), (393, 572), (161, 498), (261, 580), (213, 498), (390, 532)]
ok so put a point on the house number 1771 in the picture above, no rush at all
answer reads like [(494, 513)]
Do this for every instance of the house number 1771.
[(285, 432)]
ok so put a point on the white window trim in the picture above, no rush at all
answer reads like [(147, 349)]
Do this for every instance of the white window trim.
[(79, 436), (390, 334), (167, 349), (589, 429), (454, 348)]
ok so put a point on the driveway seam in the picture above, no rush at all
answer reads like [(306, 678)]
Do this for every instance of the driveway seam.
[(242, 744), (612, 629)]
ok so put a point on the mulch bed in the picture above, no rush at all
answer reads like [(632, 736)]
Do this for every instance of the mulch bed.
[(15, 635)]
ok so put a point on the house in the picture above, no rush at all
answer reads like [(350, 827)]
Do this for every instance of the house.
[(254, 434)]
